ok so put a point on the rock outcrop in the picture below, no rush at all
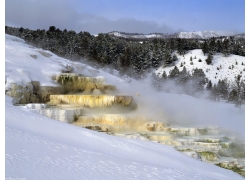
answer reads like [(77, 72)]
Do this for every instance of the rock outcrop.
[(72, 82), (32, 92)]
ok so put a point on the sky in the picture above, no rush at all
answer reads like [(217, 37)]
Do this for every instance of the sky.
[(133, 16)]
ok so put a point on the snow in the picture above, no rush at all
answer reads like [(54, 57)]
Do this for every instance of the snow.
[(204, 34), (211, 71), (186, 35), (139, 36), (37, 147), (21, 68), (41, 148)]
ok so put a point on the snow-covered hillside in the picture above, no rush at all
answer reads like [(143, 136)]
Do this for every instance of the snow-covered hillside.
[(136, 36), (221, 67), (24, 63), (41, 148), (203, 34), (185, 35)]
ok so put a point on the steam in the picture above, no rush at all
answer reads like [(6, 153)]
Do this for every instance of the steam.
[(180, 109)]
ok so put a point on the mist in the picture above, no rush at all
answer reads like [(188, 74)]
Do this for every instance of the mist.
[(179, 109)]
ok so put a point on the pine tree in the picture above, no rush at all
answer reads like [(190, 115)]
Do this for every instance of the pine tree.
[(183, 76), (174, 72), (164, 75), (209, 59), (233, 96), (212, 45), (214, 94), (218, 46), (209, 85), (205, 49), (167, 59), (225, 46), (237, 95), (198, 80), (223, 89), (181, 46), (52, 28), (174, 57)]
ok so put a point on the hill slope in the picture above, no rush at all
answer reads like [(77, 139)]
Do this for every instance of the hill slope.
[(221, 67), (185, 35), (41, 148), (203, 34)]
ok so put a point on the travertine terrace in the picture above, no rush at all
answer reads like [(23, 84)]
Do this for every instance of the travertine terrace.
[(90, 103)]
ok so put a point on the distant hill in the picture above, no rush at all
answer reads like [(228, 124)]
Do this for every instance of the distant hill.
[(136, 35), (185, 35), (241, 35)]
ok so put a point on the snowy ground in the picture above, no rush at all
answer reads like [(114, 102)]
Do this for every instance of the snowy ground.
[(41, 148), (37, 147), (187, 35), (219, 69)]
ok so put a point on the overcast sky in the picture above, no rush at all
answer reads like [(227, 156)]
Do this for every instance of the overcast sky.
[(139, 16)]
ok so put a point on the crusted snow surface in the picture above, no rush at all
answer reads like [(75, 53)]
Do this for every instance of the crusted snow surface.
[(41, 148)]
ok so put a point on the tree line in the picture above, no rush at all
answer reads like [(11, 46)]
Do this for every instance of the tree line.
[(123, 54), (196, 84), (136, 57)]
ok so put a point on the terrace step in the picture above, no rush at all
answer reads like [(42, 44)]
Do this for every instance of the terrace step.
[(91, 100), (78, 83), (132, 122), (64, 115)]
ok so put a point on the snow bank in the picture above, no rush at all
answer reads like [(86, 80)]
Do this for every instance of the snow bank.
[(220, 68), (41, 148)]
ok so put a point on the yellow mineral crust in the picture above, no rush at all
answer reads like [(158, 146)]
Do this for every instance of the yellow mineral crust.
[(75, 82), (159, 137), (110, 119), (91, 100), (113, 122)]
